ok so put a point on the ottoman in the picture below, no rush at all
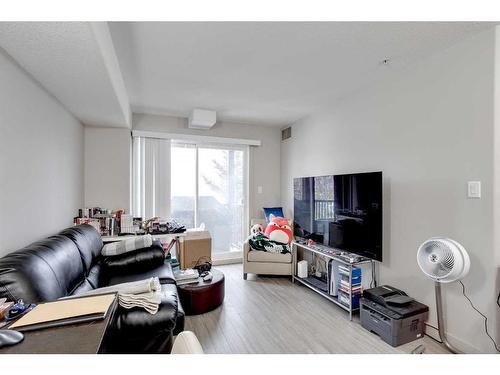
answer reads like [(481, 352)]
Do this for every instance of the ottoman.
[(204, 296)]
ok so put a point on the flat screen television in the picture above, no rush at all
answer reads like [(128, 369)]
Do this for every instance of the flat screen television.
[(341, 211)]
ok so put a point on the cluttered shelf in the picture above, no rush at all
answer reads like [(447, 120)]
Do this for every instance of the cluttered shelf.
[(340, 256), (331, 273), (165, 236), (117, 225), (312, 285), (184, 247)]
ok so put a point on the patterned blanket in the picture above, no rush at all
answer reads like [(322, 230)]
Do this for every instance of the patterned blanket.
[(124, 246), (259, 242)]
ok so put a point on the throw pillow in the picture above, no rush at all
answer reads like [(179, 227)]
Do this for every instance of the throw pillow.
[(276, 211), (279, 229), (124, 246)]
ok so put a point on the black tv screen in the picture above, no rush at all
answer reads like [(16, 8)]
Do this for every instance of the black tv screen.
[(341, 211)]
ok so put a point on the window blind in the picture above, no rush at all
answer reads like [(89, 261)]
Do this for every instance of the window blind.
[(151, 177)]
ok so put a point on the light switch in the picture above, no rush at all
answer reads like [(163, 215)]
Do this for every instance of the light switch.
[(474, 189), (259, 189)]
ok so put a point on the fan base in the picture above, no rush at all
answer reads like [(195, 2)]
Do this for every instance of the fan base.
[(440, 318)]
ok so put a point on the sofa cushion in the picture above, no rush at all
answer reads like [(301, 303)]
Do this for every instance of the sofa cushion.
[(133, 261), (267, 257), (93, 280), (127, 244), (87, 240), (163, 272), (84, 287), (43, 271)]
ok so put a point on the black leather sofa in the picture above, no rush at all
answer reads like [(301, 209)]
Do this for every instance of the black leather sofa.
[(70, 263)]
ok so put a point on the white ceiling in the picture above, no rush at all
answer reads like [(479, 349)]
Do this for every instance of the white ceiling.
[(269, 73), (266, 73), (75, 62)]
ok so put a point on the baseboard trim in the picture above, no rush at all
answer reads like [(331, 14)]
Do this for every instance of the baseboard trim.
[(464, 346), (220, 262), (455, 341)]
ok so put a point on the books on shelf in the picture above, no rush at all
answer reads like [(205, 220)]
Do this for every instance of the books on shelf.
[(344, 283), (344, 299), (344, 270), (353, 290), (349, 286)]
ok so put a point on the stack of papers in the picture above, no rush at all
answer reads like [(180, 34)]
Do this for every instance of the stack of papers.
[(187, 276)]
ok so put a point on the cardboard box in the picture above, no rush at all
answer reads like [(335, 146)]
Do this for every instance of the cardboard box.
[(195, 248)]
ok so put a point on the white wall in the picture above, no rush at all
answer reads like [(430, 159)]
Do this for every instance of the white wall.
[(429, 130), (496, 168), (41, 160), (107, 167), (264, 159)]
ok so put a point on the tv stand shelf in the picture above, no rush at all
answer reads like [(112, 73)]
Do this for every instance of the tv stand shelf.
[(330, 254)]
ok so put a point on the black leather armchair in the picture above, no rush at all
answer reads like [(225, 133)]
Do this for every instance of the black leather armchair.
[(70, 263)]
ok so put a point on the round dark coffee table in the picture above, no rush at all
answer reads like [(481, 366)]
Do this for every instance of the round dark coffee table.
[(203, 296)]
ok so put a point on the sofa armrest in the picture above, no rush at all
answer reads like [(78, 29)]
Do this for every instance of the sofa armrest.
[(137, 331), (137, 260), (246, 249)]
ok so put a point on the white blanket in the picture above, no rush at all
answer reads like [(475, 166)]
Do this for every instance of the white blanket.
[(144, 293)]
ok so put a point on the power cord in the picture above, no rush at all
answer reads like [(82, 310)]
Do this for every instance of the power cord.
[(480, 313), (372, 281), (435, 339)]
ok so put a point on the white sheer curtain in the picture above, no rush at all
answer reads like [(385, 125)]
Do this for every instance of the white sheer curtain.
[(151, 177)]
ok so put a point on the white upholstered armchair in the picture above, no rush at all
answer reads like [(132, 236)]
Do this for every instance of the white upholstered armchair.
[(264, 263)]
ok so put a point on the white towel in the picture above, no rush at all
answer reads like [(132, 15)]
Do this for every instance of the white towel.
[(143, 293), (148, 301)]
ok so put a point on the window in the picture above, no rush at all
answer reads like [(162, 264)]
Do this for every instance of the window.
[(183, 184), (151, 177), (195, 184), (324, 205), (221, 200)]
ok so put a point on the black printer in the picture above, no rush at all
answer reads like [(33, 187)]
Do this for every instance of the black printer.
[(393, 315)]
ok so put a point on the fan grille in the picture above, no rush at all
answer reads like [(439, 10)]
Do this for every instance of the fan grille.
[(441, 259)]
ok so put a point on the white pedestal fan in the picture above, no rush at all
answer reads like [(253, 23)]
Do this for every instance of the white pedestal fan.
[(444, 261)]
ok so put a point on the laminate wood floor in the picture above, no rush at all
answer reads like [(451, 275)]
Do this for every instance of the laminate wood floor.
[(271, 315)]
